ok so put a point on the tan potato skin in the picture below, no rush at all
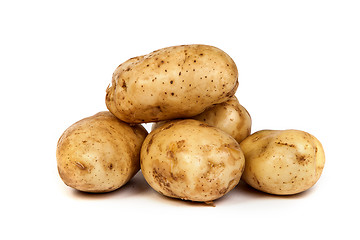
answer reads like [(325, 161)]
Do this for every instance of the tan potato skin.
[(174, 82), (190, 160), (282, 162), (230, 116), (99, 153)]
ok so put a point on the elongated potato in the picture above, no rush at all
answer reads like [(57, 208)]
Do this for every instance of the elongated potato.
[(282, 162), (229, 116), (190, 160), (99, 153), (173, 82)]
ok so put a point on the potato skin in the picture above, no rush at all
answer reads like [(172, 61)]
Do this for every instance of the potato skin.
[(174, 82), (230, 116), (99, 153), (282, 162), (190, 160)]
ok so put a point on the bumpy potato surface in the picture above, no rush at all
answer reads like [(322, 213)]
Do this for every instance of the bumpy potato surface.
[(174, 82), (190, 160), (99, 153), (229, 116), (282, 162)]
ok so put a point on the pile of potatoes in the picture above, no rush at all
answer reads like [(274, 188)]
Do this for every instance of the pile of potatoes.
[(200, 145)]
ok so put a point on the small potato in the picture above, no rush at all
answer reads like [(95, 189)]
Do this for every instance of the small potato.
[(99, 153), (282, 162), (228, 116), (190, 160), (174, 82)]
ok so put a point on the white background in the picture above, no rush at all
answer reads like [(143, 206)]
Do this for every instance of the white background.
[(299, 67)]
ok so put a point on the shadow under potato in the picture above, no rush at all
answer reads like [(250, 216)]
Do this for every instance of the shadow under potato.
[(137, 185), (252, 192), (189, 203)]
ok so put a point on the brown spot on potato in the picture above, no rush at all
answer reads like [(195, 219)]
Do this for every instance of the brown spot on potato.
[(263, 149), (255, 139), (204, 125), (256, 180), (160, 179), (80, 165), (180, 143), (213, 170), (301, 159), (170, 154), (124, 85), (164, 183), (177, 177), (285, 144), (110, 166), (149, 144), (169, 126), (223, 191), (206, 148), (158, 108)]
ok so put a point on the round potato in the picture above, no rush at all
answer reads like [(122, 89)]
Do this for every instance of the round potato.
[(229, 116), (282, 162), (190, 160), (99, 153), (174, 82)]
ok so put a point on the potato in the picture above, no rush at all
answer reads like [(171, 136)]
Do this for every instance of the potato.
[(174, 82), (228, 116), (99, 153), (190, 160), (282, 162)]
